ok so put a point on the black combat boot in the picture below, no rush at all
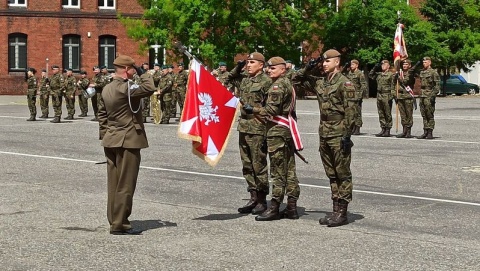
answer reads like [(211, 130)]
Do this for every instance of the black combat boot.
[(386, 133), (261, 203), (44, 116), (271, 213), (424, 134), (326, 219), (83, 115), (250, 204), (381, 132), (429, 134), (356, 130), (291, 210), (69, 117), (340, 217), (32, 118), (408, 132), (402, 135), (55, 120), (95, 119)]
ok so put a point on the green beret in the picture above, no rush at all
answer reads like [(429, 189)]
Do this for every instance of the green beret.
[(164, 67), (222, 64)]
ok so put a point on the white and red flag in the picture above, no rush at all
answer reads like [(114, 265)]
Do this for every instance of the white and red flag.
[(208, 114), (399, 47)]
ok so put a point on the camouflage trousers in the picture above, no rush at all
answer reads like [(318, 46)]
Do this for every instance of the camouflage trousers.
[(146, 107), (384, 107), (173, 105), (427, 109), (405, 106), (57, 102), (166, 107), (44, 100), (181, 99), (83, 104), (337, 167), (282, 168), (31, 102), (358, 114), (253, 153), (99, 101), (94, 105), (70, 103)]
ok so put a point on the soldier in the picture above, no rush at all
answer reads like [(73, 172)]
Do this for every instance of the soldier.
[(404, 100), (221, 73), (146, 100), (83, 84), (252, 87), (385, 94), (358, 80), (70, 89), (157, 73), (164, 92), (180, 86), (173, 102), (430, 85), (99, 81), (31, 93), (290, 73), (281, 150), (44, 94), (57, 88), (336, 98)]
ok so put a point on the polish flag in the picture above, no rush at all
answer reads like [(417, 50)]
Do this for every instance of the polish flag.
[(399, 47)]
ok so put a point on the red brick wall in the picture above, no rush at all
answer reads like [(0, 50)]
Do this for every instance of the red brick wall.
[(45, 22)]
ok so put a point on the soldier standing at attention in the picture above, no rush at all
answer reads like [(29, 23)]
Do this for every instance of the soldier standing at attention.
[(404, 100), (44, 94), (157, 73), (336, 99), (221, 73), (146, 101), (123, 136), (358, 80), (281, 150), (290, 73), (99, 81), (430, 86), (32, 93), (180, 85), (385, 94), (164, 92), (70, 89), (173, 101), (57, 87), (252, 87), (83, 84)]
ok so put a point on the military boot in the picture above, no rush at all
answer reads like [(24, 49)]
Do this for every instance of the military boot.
[(326, 219), (95, 119), (69, 117), (424, 134), (381, 132), (340, 217), (408, 132), (83, 115), (44, 116), (55, 120), (386, 133), (250, 204), (402, 135), (429, 134), (291, 210), (261, 203), (356, 130), (271, 213), (32, 118)]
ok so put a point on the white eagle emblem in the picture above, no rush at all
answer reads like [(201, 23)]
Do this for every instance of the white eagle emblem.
[(207, 112)]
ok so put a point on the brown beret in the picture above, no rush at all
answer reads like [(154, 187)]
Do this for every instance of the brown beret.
[(427, 58), (355, 61), (123, 61), (406, 61), (256, 56), (276, 60), (385, 62), (331, 54)]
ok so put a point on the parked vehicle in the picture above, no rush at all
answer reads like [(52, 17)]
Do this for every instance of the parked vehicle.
[(457, 85)]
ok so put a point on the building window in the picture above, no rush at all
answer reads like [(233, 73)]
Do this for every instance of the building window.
[(17, 52), (107, 51), (71, 3), (106, 4), (71, 52), (17, 3)]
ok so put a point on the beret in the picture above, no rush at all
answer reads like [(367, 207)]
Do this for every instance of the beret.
[(355, 61), (222, 64), (288, 61), (407, 61), (44, 70), (165, 67), (145, 63), (103, 67), (123, 61), (30, 69), (69, 69), (427, 58), (55, 67), (256, 56), (385, 62), (156, 64), (95, 67), (83, 72), (331, 54), (276, 60)]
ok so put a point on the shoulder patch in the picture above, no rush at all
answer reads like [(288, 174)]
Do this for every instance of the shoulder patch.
[(348, 84), (275, 87)]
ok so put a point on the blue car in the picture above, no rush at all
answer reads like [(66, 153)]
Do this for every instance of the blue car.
[(457, 85)]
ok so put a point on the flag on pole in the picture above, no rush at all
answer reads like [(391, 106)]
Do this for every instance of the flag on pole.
[(399, 47), (208, 114)]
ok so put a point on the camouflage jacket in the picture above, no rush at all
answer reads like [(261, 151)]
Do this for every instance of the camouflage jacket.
[(83, 83), (70, 85), (32, 85), (156, 77), (251, 90), (290, 74), (279, 103), (44, 84), (385, 84), (57, 83), (358, 80), (407, 80), (430, 83), (100, 82), (165, 84), (180, 81)]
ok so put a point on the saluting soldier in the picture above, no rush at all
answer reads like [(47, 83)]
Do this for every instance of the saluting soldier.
[(99, 81), (57, 88), (358, 80), (32, 93), (83, 84), (180, 86), (290, 73), (44, 94), (404, 100), (385, 93), (164, 92), (70, 89), (430, 86)]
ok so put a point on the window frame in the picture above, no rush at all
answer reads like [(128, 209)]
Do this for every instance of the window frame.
[(101, 51), (70, 5), (16, 4), (105, 4), (17, 58), (66, 56)]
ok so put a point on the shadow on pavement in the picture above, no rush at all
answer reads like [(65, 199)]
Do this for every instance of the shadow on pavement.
[(146, 225), (221, 216)]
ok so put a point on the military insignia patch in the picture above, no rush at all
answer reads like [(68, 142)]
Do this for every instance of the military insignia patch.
[(351, 94), (275, 87), (348, 84)]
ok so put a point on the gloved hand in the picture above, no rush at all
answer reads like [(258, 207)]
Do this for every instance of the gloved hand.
[(346, 145), (241, 64), (377, 66), (417, 64), (311, 64), (139, 70), (248, 108)]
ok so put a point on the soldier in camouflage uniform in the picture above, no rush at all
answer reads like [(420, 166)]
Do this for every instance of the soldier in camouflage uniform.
[(164, 92), (57, 88), (32, 93), (336, 99), (70, 89), (83, 84), (430, 85), (146, 101), (252, 87), (290, 73), (385, 93), (281, 149), (404, 100), (44, 94), (180, 86), (99, 81), (173, 101), (358, 80)]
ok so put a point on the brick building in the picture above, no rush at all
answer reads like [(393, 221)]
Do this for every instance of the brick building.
[(77, 34)]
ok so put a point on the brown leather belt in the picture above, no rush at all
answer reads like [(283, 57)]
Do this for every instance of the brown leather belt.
[(331, 117)]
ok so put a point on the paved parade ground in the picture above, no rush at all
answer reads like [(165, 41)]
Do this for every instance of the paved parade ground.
[(416, 203)]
